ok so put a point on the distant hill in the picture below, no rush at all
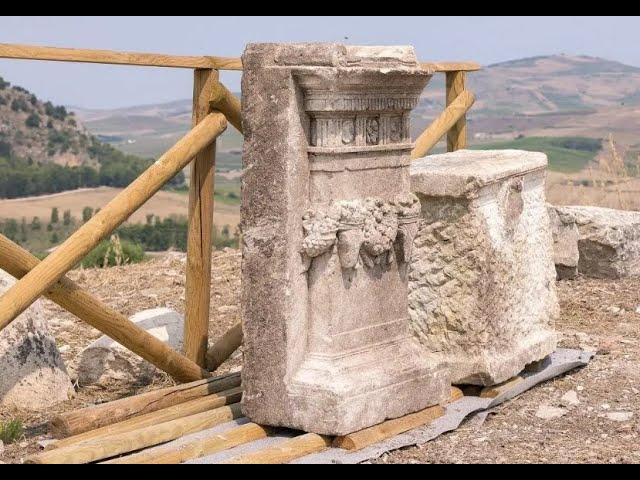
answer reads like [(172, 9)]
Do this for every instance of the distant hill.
[(45, 149)]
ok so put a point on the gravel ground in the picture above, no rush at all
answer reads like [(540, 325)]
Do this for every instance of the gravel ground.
[(595, 410)]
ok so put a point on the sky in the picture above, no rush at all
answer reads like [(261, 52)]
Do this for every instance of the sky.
[(483, 39)]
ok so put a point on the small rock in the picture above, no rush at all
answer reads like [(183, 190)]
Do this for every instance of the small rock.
[(45, 443), (1, 447), (570, 399), (614, 310), (580, 388), (605, 406), (638, 309), (64, 349), (23, 444), (619, 416), (546, 412), (227, 309)]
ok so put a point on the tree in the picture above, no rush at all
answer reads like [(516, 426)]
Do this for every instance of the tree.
[(23, 230), (87, 213), (33, 121), (66, 217), (150, 219), (35, 224), (11, 229), (54, 238), (55, 216)]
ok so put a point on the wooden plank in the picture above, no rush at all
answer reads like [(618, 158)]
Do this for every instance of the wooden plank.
[(224, 347), (199, 243), (86, 419), (78, 55), (456, 394), (199, 405), (18, 262), (388, 429), (443, 67), (113, 445), (497, 390), (66, 256), (457, 134), (441, 125), (224, 101), (285, 451), (198, 448)]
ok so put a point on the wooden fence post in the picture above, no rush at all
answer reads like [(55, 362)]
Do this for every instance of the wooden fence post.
[(198, 283), (457, 135)]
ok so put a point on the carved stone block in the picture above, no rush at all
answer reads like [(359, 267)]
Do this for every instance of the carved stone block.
[(482, 281), (328, 222)]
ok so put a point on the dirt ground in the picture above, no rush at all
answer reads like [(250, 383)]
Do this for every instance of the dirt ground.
[(596, 314)]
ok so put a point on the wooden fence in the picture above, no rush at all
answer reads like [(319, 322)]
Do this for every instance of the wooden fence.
[(213, 107)]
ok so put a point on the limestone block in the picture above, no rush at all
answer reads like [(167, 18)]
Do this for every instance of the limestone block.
[(105, 360), (328, 222), (565, 243), (482, 280), (608, 240), (32, 373)]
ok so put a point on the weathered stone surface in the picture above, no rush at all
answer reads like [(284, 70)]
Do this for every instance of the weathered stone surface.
[(608, 242), (32, 373), (482, 280), (328, 223), (105, 360), (565, 243)]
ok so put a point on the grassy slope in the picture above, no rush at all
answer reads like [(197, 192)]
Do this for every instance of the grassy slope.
[(561, 159)]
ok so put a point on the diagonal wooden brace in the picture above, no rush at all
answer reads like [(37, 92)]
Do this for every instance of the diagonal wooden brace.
[(18, 262), (18, 298)]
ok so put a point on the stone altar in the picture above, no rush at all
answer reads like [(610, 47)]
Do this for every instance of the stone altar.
[(482, 281), (328, 222)]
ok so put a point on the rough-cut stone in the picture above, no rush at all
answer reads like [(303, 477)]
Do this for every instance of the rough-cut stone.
[(482, 281), (328, 223), (608, 241), (32, 373), (565, 243), (105, 360)]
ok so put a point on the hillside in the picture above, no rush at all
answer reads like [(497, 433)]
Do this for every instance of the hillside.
[(45, 149)]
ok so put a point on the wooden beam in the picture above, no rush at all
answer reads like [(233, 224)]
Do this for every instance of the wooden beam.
[(224, 347), (18, 298), (497, 390), (113, 445), (181, 410), (18, 262), (198, 448), (443, 67), (199, 244), (90, 418), (285, 451), (224, 101), (457, 134), (78, 55), (441, 125)]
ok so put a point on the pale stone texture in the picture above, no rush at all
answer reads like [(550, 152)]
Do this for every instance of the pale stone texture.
[(608, 240), (32, 373), (328, 223), (482, 281), (105, 360), (565, 243)]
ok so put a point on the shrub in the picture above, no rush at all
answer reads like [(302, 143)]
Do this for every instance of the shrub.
[(87, 213), (33, 121), (110, 253), (55, 215), (59, 113), (66, 217), (3, 84), (19, 105), (3, 101), (5, 149), (11, 431), (35, 224)]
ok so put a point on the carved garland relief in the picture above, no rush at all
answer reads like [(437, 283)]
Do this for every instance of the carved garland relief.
[(365, 230)]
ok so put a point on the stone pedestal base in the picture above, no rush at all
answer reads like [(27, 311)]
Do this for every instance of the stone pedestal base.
[(482, 278)]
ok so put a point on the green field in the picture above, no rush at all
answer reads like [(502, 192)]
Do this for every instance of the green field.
[(566, 154)]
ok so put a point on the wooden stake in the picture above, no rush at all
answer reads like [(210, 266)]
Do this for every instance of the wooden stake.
[(198, 448), (224, 347), (80, 421), (441, 125), (113, 445), (18, 262), (457, 135), (285, 451), (198, 283), (18, 298), (181, 410), (224, 101)]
